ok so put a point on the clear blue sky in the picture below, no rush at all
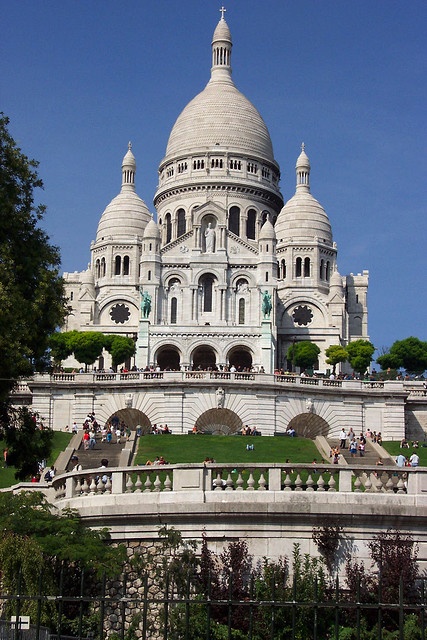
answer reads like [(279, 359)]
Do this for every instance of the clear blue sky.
[(79, 79)]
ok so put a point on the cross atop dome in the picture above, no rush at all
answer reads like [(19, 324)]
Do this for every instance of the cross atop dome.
[(130, 145), (222, 11)]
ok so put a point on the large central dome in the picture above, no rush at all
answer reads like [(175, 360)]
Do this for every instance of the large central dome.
[(220, 115)]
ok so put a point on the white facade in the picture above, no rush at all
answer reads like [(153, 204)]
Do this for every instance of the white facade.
[(222, 247)]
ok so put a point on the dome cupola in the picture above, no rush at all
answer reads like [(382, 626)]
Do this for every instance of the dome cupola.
[(127, 214)]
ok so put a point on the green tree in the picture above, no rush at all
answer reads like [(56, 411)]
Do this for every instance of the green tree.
[(28, 442), (409, 354), (32, 300), (303, 354), (38, 542), (336, 354), (121, 348), (60, 345), (87, 346), (360, 354)]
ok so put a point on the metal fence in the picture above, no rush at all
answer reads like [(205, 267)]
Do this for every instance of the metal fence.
[(129, 610)]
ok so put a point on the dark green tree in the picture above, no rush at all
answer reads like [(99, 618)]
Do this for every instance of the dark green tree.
[(336, 354), (32, 300), (28, 442), (303, 354), (60, 345), (87, 346), (360, 354), (409, 354), (121, 348)]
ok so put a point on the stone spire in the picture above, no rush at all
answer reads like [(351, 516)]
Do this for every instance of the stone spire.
[(128, 170), (221, 50), (303, 171)]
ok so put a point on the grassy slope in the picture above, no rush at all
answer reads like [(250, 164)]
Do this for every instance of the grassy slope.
[(394, 449), (195, 448), (60, 442)]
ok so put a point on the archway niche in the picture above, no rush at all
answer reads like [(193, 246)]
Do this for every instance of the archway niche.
[(219, 422), (168, 359), (204, 359), (132, 418), (309, 425), (241, 358)]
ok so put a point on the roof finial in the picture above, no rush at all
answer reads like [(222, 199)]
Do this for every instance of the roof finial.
[(222, 11), (130, 145), (302, 146)]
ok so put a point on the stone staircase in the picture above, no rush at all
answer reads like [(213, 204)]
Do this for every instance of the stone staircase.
[(91, 458), (373, 451)]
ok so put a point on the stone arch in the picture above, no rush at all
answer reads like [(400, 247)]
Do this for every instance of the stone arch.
[(309, 425), (204, 357), (132, 418), (241, 357), (219, 422), (168, 357)]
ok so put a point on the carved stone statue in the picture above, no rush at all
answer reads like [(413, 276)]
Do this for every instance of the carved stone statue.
[(220, 397), (145, 304), (266, 304), (210, 238)]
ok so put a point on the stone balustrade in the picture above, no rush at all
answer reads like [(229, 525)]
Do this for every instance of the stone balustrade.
[(227, 478), (250, 377)]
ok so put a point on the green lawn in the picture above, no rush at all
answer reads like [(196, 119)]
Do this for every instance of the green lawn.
[(60, 442), (195, 448), (394, 449)]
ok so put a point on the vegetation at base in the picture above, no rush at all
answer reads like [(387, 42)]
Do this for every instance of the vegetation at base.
[(60, 441), (43, 551), (303, 354), (226, 449)]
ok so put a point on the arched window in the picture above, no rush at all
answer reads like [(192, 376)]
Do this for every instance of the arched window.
[(97, 269), (103, 267), (251, 224), (174, 309), (298, 269), (117, 265), (306, 267), (283, 268), (242, 311), (234, 220), (168, 228), (328, 270), (181, 222), (322, 266), (149, 274), (207, 290), (126, 265)]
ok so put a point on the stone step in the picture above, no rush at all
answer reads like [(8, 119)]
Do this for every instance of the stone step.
[(91, 458)]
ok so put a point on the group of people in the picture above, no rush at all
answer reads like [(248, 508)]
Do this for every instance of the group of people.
[(408, 461), (158, 460), (160, 430), (246, 430), (112, 431)]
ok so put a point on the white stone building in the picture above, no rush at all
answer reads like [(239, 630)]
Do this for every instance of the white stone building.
[(232, 276)]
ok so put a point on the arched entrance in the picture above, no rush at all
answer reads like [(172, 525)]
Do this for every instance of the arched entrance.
[(241, 358), (308, 425), (168, 359), (219, 422), (204, 358), (132, 418)]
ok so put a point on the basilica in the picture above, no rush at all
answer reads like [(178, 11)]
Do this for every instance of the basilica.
[(225, 275)]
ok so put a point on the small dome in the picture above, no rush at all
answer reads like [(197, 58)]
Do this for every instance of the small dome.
[(336, 280), (267, 231), (222, 32), (303, 218), (152, 230), (127, 215)]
